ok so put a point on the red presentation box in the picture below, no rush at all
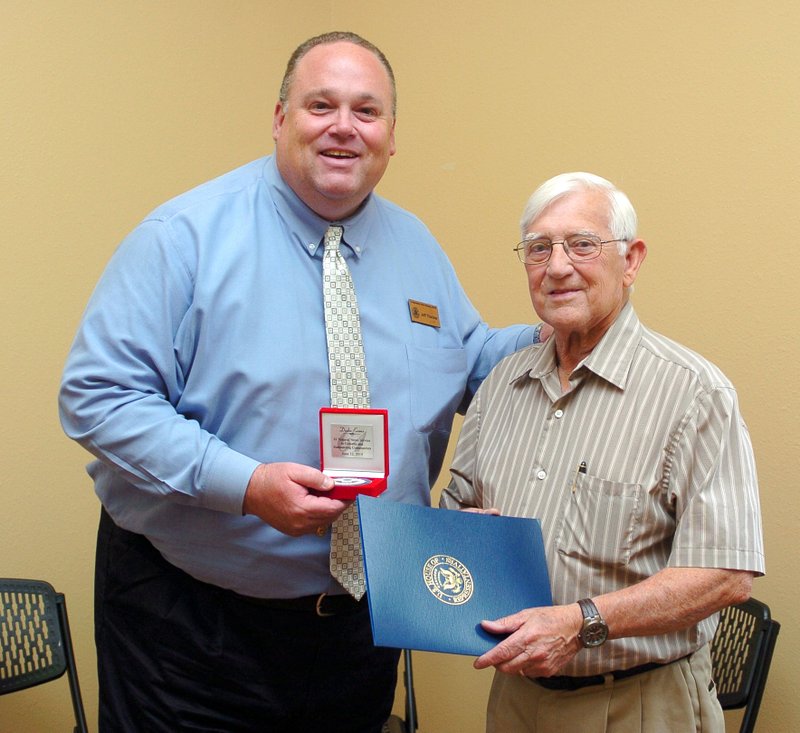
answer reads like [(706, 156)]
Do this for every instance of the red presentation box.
[(354, 450)]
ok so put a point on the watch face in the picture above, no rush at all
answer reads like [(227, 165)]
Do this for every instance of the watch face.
[(594, 633)]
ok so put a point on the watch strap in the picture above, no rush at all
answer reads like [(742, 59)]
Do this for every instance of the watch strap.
[(588, 608)]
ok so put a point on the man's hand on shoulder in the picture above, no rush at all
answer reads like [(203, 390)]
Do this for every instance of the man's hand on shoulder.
[(543, 332)]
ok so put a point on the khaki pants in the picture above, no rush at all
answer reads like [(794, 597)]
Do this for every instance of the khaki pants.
[(671, 699)]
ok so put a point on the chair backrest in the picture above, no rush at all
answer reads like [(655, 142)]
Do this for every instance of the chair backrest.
[(741, 653), (35, 640)]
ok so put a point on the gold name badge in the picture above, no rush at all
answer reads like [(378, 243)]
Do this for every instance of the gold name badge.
[(424, 313)]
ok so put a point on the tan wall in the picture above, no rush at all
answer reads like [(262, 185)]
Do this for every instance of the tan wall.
[(109, 108)]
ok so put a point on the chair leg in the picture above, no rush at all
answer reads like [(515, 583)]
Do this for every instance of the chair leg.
[(411, 702), (72, 671)]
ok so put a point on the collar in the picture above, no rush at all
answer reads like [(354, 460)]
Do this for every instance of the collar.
[(305, 228), (610, 360)]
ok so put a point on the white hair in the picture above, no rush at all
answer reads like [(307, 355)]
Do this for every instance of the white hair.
[(621, 214)]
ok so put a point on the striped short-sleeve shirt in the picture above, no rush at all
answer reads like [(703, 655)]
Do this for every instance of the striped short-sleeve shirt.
[(645, 463)]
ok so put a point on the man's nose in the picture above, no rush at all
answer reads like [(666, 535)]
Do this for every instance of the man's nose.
[(559, 260), (343, 122)]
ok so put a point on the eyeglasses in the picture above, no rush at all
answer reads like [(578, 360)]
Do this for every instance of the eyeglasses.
[(578, 247)]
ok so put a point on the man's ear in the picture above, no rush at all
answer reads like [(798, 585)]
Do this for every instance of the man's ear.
[(392, 141), (277, 119), (637, 251)]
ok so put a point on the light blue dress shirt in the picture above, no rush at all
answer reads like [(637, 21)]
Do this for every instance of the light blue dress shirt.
[(202, 353)]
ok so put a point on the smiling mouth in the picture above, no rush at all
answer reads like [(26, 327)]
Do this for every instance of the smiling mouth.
[(557, 293), (339, 154)]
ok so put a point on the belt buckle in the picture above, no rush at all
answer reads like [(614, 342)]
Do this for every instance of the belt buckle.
[(320, 612)]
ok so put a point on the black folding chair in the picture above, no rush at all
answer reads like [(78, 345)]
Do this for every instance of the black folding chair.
[(396, 724), (35, 642), (741, 653)]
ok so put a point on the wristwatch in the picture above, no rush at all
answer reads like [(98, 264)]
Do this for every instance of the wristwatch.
[(594, 631)]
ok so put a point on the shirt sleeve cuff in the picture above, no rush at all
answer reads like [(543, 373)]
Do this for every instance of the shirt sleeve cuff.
[(227, 479)]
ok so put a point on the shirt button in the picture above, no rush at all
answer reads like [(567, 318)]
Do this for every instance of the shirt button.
[(558, 414), (541, 474), (312, 246)]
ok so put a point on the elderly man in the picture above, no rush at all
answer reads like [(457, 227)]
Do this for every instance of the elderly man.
[(632, 452), (196, 380)]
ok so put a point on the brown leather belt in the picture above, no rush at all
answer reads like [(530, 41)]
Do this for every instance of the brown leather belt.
[(576, 683), (321, 605)]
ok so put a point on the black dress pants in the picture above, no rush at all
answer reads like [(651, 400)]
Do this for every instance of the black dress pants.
[(175, 654)]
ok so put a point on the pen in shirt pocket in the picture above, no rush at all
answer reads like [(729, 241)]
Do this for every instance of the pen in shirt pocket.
[(581, 470)]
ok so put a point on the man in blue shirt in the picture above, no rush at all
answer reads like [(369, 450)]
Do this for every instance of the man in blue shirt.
[(196, 378)]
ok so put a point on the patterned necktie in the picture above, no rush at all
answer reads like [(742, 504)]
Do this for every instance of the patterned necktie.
[(349, 388)]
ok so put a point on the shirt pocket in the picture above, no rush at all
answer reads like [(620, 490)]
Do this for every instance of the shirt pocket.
[(601, 521), (438, 379)]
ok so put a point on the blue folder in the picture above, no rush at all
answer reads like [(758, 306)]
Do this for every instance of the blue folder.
[(434, 574)]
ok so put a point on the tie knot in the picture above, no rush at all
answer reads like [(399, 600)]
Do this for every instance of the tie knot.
[(333, 236)]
